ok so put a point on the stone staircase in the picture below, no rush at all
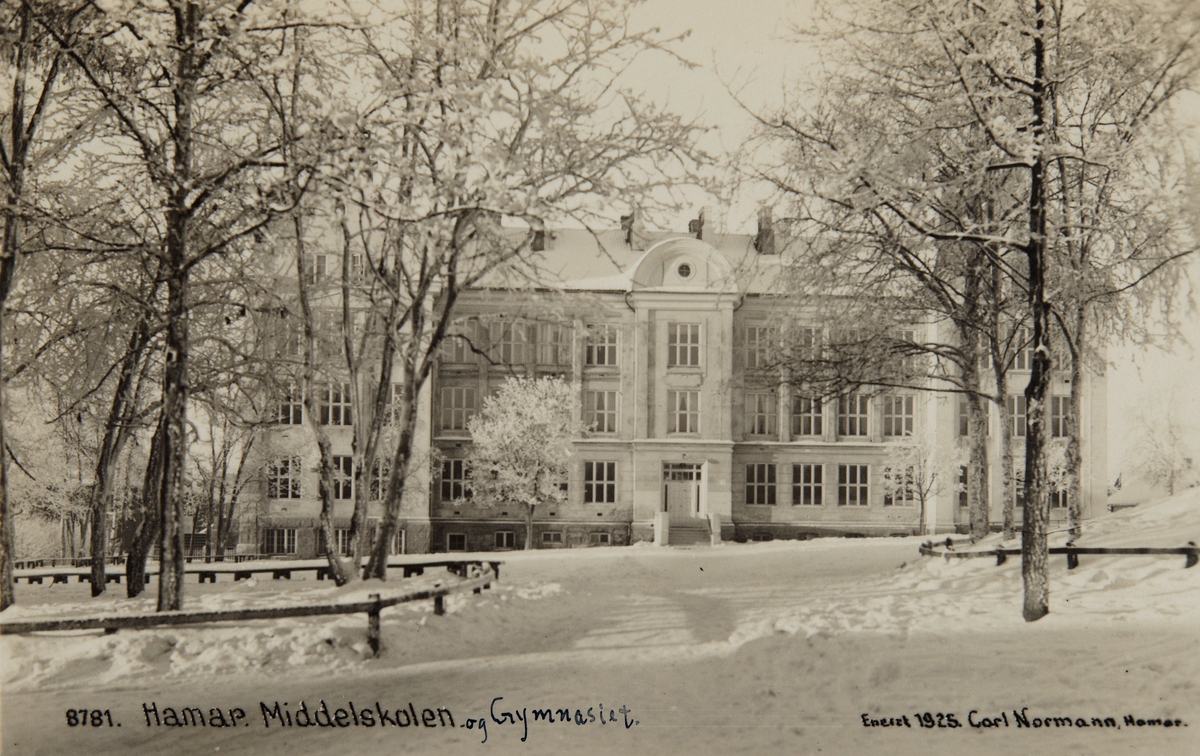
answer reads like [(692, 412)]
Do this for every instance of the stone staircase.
[(694, 531)]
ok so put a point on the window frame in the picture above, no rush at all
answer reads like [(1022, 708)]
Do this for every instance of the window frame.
[(689, 413), (905, 418), (762, 484), (291, 405), (455, 415), (343, 477), (761, 421), (285, 473), (814, 486), (814, 417), (271, 537), (593, 413), (508, 536), (455, 486), (602, 345), (554, 341), (860, 486), (450, 547), (684, 345), (340, 412), (907, 490), (757, 344), (859, 420)]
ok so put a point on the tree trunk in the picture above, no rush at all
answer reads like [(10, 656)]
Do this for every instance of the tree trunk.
[(377, 566), (529, 526), (175, 398), (146, 532), (1034, 543), (1074, 456)]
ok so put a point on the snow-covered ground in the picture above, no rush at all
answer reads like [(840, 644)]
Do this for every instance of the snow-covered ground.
[(765, 648)]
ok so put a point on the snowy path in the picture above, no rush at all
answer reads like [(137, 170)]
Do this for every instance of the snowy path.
[(764, 648)]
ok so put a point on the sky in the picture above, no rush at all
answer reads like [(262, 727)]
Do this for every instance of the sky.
[(749, 48)]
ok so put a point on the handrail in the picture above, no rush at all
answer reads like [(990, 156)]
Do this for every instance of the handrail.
[(1191, 552), (372, 607)]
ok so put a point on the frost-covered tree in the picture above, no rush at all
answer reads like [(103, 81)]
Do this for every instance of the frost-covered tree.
[(521, 445), (914, 473), (1160, 450), (947, 125)]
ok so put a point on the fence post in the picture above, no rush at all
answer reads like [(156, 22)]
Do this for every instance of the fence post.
[(1192, 556), (439, 604), (373, 624)]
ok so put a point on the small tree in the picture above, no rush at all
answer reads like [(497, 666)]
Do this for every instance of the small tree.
[(522, 445), (1158, 453), (914, 472)]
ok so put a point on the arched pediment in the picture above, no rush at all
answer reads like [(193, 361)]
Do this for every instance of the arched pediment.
[(684, 264)]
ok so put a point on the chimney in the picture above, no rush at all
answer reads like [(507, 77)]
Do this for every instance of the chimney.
[(764, 240), (634, 229)]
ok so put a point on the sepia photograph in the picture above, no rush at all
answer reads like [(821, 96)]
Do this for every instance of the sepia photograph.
[(599, 377)]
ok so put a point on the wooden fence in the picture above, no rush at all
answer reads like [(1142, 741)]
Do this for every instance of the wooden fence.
[(372, 607), (1191, 552)]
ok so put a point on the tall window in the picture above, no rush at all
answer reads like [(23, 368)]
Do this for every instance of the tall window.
[(1060, 412), (760, 342), (683, 412), (380, 472), (599, 482), (1058, 497), (964, 418), (391, 412), (962, 486), (760, 483), (455, 480), (343, 477), (852, 485), (760, 413), (683, 344), (1018, 415), (601, 348), (554, 344), (291, 405), (327, 325), (316, 269), (458, 405), (509, 341), (852, 415), (806, 416), (898, 415), (907, 349), (335, 404), (283, 478), (809, 342), (901, 486), (279, 541), (1024, 356), (457, 346), (505, 539), (286, 335), (807, 485), (600, 411)]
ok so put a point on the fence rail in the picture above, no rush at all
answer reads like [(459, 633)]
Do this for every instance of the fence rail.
[(372, 607), (1191, 552), (243, 569)]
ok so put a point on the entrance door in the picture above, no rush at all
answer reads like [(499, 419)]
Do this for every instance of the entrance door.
[(681, 489)]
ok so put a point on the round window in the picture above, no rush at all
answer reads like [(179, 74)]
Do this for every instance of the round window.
[(684, 270)]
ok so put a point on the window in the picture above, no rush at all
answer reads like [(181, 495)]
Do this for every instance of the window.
[(809, 342), (852, 415), (1060, 412), (455, 480), (760, 343), (962, 486), (506, 539), (1023, 360), (1018, 483), (807, 485), (380, 472), (456, 542), (760, 483), (286, 335), (327, 327), (898, 415), (601, 346), (598, 538), (341, 541), (335, 404), (600, 411), (315, 269), (599, 482), (760, 413), (806, 416), (683, 412), (964, 418), (900, 485), (291, 406), (852, 485), (683, 345), (907, 350), (509, 342), (279, 541), (1058, 496), (984, 354), (458, 405), (1018, 415), (554, 536), (343, 477), (554, 344), (391, 412), (283, 478), (457, 347)]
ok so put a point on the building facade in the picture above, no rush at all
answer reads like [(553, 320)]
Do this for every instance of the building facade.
[(668, 341)]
